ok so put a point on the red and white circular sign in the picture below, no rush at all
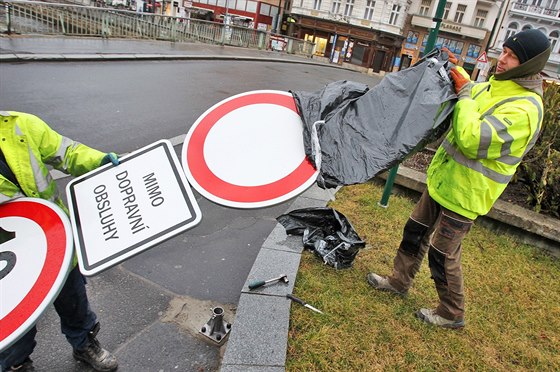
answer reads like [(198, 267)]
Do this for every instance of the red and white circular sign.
[(247, 151), (35, 255)]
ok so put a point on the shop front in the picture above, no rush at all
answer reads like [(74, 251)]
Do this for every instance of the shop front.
[(466, 42), (344, 43)]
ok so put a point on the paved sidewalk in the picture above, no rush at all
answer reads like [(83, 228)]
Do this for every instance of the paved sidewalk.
[(56, 49)]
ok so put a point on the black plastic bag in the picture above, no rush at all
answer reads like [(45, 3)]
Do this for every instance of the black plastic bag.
[(351, 134), (325, 231)]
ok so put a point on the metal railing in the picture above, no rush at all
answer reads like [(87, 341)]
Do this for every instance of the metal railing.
[(32, 17), (535, 9)]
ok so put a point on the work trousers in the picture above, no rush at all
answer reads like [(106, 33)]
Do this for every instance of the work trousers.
[(439, 232), (76, 320)]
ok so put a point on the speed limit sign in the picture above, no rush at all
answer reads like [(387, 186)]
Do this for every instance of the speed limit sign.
[(35, 258)]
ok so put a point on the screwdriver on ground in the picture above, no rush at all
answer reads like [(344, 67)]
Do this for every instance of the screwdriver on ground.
[(301, 302)]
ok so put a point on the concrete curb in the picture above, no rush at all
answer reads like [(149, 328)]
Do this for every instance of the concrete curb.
[(24, 57), (259, 337)]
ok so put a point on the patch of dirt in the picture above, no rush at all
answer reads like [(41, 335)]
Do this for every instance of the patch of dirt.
[(192, 314), (515, 193)]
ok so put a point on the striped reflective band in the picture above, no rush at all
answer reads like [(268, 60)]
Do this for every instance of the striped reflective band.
[(482, 91), (41, 180), (5, 198), (502, 132), (60, 155), (486, 140), (474, 164)]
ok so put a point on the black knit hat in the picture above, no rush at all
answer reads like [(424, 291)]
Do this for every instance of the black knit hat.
[(527, 44)]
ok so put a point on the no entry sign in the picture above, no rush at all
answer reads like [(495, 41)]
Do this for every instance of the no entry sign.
[(247, 151), (118, 212), (35, 257)]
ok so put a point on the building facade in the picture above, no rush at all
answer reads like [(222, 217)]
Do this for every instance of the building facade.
[(366, 33), (260, 15), (465, 30), (525, 14)]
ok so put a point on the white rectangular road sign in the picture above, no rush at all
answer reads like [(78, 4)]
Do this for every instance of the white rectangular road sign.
[(120, 211)]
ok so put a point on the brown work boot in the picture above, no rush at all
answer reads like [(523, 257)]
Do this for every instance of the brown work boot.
[(382, 283), (429, 316), (26, 366), (94, 355)]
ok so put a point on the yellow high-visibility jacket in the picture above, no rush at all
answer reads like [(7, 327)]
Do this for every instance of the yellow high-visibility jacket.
[(491, 132), (28, 144)]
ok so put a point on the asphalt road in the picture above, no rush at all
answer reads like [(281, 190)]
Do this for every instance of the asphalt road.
[(103, 103), (123, 106)]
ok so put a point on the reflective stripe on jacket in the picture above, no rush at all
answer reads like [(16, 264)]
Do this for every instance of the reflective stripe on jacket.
[(28, 143), (490, 134)]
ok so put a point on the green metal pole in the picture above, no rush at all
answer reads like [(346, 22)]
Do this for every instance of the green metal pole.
[(388, 186), (9, 18), (432, 37)]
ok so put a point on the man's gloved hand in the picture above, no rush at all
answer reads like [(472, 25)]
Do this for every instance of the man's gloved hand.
[(459, 81), (110, 157), (452, 58)]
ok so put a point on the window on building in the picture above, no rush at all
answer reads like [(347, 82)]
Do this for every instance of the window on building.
[(480, 18), (460, 13), (446, 10), (551, 4), (348, 7), (393, 18), (240, 4), (368, 13), (335, 7), (412, 37), (317, 4), (473, 51), (526, 27), (511, 30), (251, 6), (453, 45), (553, 37), (265, 9), (425, 7)]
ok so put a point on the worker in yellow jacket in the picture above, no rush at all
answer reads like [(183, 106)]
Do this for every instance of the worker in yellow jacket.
[(494, 125), (27, 146)]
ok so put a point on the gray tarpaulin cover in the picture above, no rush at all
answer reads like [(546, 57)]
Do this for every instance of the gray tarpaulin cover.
[(352, 133)]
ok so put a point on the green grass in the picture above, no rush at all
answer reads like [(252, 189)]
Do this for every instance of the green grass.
[(512, 296)]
